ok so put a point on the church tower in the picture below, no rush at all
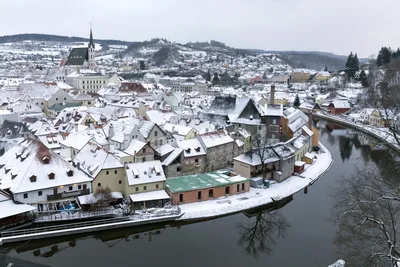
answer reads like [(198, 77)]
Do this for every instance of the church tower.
[(91, 52)]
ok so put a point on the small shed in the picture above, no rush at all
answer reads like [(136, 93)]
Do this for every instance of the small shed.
[(299, 166), (309, 158), (256, 182)]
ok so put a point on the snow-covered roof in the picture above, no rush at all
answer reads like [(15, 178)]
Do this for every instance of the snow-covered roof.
[(153, 195), (76, 140), (253, 157), (91, 198), (93, 158), (173, 156), (215, 139), (165, 149), (134, 147), (340, 104), (29, 159), (177, 129), (8, 208), (191, 147), (144, 172)]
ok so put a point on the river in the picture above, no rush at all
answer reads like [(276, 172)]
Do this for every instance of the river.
[(299, 234)]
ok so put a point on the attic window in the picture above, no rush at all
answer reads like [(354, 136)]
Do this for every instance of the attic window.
[(2, 165), (251, 117), (24, 156), (46, 160), (70, 172), (7, 169), (188, 150), (135, 173), (17, 155), (197, 149), (51, 175), (33, 178), (157, 170)]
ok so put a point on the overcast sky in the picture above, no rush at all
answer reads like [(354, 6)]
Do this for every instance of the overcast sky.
[(338, 26)]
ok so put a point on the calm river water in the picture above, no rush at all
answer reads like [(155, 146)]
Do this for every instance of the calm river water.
[(299, 234)]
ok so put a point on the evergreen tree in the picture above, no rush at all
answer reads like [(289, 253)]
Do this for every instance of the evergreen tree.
[(384, 56), (142, 65), (352, 65), (363, 79), (296, 102), (208, 76), (215, 78), (326, 68)]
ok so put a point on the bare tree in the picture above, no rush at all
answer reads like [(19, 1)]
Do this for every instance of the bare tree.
[(259, 237), (367, 211), (384, 95), (101, 199), (262, 149)]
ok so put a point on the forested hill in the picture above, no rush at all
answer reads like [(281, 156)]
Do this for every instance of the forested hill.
[(55, 38)]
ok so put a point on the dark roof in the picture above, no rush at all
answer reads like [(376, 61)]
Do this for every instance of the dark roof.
[(60, 106), (77, 56), (12, 129)]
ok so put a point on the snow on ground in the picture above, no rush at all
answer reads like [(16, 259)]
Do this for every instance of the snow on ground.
[(105, 57), (257, 196), (194, 53)]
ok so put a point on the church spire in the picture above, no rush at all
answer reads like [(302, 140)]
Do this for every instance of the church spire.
[(91, 43)]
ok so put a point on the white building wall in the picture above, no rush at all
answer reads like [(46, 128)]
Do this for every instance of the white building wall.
[(33, 196)]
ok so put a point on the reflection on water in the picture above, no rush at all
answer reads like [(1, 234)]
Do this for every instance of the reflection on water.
[(237, 240), (258, 235)]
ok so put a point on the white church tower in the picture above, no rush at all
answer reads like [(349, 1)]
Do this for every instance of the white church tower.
[(91, 52)]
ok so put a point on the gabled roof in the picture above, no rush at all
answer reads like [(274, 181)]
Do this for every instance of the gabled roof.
[(213, 139), (144, 172), (93, 158), (77, 57), (340, 104), (135, 146), (28, 159)]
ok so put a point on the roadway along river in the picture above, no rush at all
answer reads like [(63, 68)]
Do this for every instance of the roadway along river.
[(299, 234)]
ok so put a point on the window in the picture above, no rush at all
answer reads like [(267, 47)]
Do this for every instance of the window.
[(196, 160), (84, 187), (199, 195), (99, 185), (79, 187), (144, 150), (42, 103), (115, 172), (243, 187), (83, 87), (70, 188), (39, 193), (227, 190), (144, 188), (65, 98), (180, 197), (137, 189), (238, 188), (210, 193), (107, 172), (89, 102), (178, 169), (56, 98), (143, 159), (25, 195), (274, 121), (274, 128), (155, 133), (120, 181), (157, 186)]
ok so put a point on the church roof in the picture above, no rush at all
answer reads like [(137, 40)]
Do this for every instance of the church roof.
[(77, 56)]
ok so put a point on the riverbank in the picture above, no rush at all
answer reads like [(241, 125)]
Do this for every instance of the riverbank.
[(380, 133), (257, 196)]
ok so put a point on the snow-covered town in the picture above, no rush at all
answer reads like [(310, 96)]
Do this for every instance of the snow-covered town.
[(74, 132), (135, 134)]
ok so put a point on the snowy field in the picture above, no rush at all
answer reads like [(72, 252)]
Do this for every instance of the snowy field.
[(257, 196)]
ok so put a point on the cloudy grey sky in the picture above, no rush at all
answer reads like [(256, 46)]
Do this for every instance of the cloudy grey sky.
[(338, 26)]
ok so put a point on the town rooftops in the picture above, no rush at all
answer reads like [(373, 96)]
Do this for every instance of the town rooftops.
[(253, 157), (200, 181), (340, 104)]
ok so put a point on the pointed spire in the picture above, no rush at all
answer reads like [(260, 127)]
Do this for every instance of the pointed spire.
[(91, 43)]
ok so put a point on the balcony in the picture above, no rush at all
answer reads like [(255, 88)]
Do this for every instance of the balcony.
[(67, 194)]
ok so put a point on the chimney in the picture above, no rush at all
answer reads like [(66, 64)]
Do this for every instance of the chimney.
[(310, 117), (272, 95), (111, 131)]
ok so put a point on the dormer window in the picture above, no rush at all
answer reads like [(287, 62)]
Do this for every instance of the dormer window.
[(70, 172), (33, 178), (51, 175), (46, 160), (7, 169)]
